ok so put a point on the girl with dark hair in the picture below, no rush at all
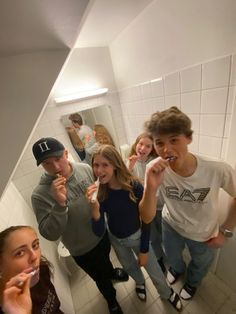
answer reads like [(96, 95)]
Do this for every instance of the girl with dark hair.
[(25, 285)]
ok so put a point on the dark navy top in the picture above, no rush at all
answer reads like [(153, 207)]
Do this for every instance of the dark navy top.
[(123, 215)]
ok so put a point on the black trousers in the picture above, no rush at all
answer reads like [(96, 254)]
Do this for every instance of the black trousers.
[(96, 263)]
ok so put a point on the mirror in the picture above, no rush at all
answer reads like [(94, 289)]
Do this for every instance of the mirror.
[(88, 128)]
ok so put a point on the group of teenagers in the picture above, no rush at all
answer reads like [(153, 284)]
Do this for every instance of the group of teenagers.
[(150, 208)]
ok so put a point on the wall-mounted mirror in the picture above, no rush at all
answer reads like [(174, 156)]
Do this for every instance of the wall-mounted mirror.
[(88, 128)]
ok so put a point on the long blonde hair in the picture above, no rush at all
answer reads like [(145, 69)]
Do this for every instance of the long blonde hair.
[(102, 135), (122, 174)]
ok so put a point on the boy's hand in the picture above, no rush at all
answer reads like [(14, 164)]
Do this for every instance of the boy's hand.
[(217, 241), (155, 173), (59, 191)]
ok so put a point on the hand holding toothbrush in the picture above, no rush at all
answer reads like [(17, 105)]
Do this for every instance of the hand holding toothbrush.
[(16, 295), (91, 195)]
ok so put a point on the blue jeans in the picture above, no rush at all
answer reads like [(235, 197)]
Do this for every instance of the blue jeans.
[(127, 250), (201, 255)]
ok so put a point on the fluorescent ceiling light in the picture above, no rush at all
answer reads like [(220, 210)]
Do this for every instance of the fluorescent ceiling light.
[(80, 95)]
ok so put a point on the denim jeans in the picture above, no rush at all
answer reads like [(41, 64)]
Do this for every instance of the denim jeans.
[(127, 250), (201, 255)]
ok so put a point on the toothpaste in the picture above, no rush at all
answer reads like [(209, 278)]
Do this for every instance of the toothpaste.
[(95, 193)]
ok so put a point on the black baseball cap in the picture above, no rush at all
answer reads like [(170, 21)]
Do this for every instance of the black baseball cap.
[(47, 147)]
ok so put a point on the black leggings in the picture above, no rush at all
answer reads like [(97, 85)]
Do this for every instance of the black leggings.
[(96, 263)]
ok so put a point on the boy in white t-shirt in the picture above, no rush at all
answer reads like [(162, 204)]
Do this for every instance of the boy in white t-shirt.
[(188, 185)]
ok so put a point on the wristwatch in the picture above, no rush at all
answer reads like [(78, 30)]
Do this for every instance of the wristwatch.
[(226, 232)]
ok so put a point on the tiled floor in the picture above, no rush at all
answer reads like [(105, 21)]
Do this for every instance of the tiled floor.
[(212, 297)]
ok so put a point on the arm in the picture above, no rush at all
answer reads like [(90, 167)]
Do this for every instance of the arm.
[(51, 210), (153, 179), (229, 224), (144, 243), (131, 162)]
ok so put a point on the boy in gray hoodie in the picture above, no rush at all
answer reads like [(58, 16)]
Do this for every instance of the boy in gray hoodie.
[(63, 212)]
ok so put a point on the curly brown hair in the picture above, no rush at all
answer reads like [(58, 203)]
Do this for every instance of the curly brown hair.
[(169, 121)]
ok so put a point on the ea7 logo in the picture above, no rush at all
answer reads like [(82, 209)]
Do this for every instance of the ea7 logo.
[(197, 195)]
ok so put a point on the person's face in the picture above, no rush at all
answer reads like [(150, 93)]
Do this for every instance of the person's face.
[(103, 169), (175, 145), (21, 253), (144, 148), (57, 165)]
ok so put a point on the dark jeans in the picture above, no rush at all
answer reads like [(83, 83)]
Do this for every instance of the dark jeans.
[(96, 263)]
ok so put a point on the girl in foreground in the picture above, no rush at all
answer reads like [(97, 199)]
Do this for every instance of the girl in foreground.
[(119, 196), (25, 285)]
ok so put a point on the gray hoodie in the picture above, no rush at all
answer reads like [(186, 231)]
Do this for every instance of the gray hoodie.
[(71, 224)]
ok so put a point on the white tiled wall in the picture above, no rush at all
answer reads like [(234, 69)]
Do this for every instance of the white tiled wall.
[(15, 211), (206, 92)]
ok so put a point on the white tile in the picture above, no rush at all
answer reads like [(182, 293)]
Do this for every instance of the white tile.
[(147, 106), (213, 296), (231, 99), (224, 148), (195, 118), (158, 104), (146, 91), (172, 84), (227, 125), (27, 166), (173, 100), (136, 94), (212, 125), (191, 102), (191, 79), (198, 305), (193, 146), (210, 146), (214, 100), (157, 88), (233, 71), (216, 73)]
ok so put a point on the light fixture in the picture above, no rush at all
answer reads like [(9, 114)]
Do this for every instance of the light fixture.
[(80, 95)]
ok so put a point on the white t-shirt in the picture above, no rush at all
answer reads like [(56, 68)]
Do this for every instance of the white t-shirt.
[(84, 131), (191, 202)]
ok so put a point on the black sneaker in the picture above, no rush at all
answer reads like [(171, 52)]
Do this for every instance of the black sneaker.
[(115, 308), (187, 292), (172, 276), (119, 275), (175, 301), (162, 265)]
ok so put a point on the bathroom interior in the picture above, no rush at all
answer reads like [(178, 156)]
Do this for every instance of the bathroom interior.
[(150, 55)]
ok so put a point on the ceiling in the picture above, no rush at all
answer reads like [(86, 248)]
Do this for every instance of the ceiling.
[(35, 25), (106, 19), (28, 26)]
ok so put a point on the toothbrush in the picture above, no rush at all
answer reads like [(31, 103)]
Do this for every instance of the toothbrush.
[(20, 283), (95, 193), (170, 158)]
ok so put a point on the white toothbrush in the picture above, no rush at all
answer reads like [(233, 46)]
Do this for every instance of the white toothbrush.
[(95, 193), (20, 283)]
